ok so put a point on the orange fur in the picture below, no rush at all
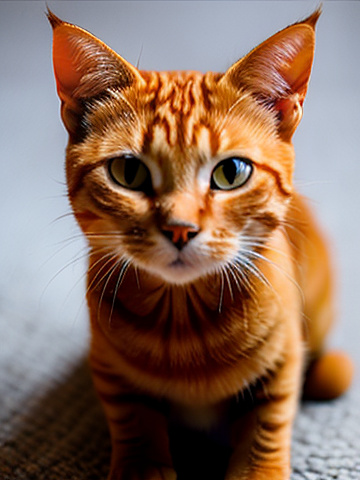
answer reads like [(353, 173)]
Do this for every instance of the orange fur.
[(199, 292)]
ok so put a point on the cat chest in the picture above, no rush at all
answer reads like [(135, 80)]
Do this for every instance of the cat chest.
[(192, 360), (188, 370)]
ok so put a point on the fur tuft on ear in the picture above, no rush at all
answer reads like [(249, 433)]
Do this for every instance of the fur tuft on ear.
[(84, 67), (277, 72)]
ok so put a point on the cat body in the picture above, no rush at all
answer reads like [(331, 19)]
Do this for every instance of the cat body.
[(209, 285)]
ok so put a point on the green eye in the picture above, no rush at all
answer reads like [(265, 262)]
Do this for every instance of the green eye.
[(130, 172), (231, 173)]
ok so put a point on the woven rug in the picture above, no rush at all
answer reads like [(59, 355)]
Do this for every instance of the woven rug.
[(52, 426)]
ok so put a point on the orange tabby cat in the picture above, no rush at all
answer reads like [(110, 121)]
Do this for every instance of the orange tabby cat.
[(209, 285)]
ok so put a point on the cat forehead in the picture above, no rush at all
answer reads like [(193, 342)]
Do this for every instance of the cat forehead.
[(192, 109), (187, 86), (178, 106), (180, 112), (169, 109)]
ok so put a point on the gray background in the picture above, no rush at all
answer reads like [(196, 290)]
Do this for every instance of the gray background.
[(51, 426)]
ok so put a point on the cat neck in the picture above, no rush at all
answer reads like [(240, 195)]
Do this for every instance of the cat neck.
[(139, 294)]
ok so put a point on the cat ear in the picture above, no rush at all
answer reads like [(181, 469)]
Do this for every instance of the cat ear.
[(84, 67), (277, 72)]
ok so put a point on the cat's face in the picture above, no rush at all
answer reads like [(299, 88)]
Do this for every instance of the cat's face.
[(180, 174), (185, 181)]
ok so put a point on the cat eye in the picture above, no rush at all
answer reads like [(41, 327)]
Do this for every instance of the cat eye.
[(231, 173), (130, 172)]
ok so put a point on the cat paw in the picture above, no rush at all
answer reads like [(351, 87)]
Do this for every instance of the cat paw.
[(261, 473), (145, 473), (270, 474), (273, 475)]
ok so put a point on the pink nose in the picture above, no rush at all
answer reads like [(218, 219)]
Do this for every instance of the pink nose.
[(180, 234)]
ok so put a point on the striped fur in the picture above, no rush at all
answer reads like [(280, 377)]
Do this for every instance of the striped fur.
[(210, 332)]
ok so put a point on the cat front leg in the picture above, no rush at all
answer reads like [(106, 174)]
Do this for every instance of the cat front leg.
[(140, 454), (263, 437), (264, 455), (139, 438)]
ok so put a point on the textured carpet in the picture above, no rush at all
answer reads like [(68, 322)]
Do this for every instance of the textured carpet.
[(52, 426)]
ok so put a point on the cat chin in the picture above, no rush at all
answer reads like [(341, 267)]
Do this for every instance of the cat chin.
[(178, 273)]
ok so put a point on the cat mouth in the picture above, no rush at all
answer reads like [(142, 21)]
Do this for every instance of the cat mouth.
[(180, 264), (179, 270), (177, 263)]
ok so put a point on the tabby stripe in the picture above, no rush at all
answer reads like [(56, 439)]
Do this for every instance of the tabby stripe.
[(205, 94), (214, 142), (162, 369), (272, 372), (104, 207), (275, 174), (192, 101), (171, 99), (147, 139), (129, 419), (105, 376), (261, 341), (86, 216), (272, 427), (268, 219), (265, 397), (213, 136), (163, 122), (81, 173), (115, 399), (259, 451), (99, 196), (153, 90), (278, 397)]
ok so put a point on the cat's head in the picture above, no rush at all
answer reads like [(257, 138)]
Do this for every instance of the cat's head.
[(180, 173)]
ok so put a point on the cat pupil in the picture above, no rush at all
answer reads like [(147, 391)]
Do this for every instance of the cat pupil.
[(231, 169), (130, 170)]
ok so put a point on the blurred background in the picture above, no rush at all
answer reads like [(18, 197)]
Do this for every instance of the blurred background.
[(42, 260)]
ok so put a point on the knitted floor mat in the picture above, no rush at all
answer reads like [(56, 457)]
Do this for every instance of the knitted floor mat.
[(52, 426)]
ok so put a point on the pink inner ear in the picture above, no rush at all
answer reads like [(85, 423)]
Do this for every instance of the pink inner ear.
[(297, 73), (68, 76), (289, 106)]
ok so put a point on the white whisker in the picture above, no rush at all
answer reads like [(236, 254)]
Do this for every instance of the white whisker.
[(281, 270), (61, 217), (254, 242), (236, 280), (221, 290), (246, 262), (108, 274), (244, 279), (229, 283), (67, 265), (84, 275), (137, 277), (110, 256), (121, 276)]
